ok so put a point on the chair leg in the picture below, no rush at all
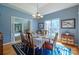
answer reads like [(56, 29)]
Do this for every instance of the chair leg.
[(22, 45), (34, 51), (27, 50)]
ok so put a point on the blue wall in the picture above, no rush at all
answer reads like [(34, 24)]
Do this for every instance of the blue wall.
[(34, 27), (66, 14), (5, 21)]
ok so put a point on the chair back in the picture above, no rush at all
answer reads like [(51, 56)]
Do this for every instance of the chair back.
[(1, 43), (55, 40), (31, 42), (30, 39), (23, 38)]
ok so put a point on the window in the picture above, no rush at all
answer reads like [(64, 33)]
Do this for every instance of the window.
[(52, 26)]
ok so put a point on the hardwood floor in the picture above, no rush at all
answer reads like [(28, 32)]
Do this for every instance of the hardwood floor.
[(8, 49)]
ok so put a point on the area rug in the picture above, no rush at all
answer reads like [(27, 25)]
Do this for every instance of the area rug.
[(59, 50)]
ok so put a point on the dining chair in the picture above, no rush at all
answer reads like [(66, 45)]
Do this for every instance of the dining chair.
[(55, 40), (24, 40), (49, 45), (31, 42)]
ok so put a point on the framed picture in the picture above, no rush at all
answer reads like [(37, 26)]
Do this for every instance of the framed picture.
[(68, 23), (18, 27), (41, 25)]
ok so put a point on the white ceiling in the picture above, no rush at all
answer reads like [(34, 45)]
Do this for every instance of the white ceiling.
[(44, 8)]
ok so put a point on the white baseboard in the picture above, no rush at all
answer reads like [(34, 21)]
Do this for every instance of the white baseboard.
[(11, 43), (7, 43)]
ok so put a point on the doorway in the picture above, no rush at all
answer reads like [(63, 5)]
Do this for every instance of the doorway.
[(18, 25)]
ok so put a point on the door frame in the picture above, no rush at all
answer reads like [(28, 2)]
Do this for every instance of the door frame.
[(13, 27)]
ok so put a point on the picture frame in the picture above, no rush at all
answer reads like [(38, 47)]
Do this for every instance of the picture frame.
[(41, 25), (18, 27), (68, 23)]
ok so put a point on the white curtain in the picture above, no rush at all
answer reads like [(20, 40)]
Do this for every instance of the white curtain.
[(48, 27)]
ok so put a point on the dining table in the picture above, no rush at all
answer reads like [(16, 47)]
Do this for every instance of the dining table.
[(39, 41)]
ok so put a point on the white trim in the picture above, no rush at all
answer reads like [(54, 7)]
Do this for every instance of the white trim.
[(12, 27), (11, 43), (7, 43), (17, 17)]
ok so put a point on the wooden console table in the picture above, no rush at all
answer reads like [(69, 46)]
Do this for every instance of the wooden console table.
[(67, 39)]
